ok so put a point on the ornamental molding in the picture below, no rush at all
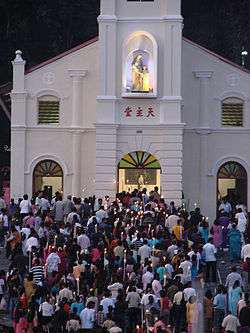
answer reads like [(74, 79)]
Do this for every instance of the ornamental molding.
[(37, 159), (80, 73), (203, 74)]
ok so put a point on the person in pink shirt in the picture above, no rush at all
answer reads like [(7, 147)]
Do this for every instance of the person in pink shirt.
[(95, 255)]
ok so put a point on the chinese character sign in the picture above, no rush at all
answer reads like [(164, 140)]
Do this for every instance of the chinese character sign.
[(139, 112)]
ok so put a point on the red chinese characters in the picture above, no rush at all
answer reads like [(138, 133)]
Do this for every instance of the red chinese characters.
[(128, 111), (150, 113), (139, 112)]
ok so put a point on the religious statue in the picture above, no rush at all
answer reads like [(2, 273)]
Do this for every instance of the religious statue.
[(141, 182), (140, 75)]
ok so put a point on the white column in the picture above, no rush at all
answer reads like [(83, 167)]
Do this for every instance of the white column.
[(76, 125), (204, 78), (77, 96), (204, 122), (76, 163), (18, 128)]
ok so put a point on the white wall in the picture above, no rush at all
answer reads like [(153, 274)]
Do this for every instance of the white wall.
[(206, 149)]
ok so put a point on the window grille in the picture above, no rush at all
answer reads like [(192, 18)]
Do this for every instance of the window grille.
[(48, 111), (232, 112)]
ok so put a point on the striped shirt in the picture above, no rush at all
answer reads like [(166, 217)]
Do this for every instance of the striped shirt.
[(38, 273)]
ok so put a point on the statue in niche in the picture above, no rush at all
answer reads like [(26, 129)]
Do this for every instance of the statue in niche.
[(141, 182), (140, 75)]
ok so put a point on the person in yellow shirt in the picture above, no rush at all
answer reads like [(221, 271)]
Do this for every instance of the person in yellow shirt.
[(178, 231)]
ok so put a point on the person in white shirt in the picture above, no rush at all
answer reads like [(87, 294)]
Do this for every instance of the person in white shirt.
[(147, 278), (114, 288), (145, 297), (230, 323), (171, 249), (189, 291), (106, 302), (245, 252), (233, 277), (25, 206), (171, 221), (31, 242), (47, 310), (87, 316), (101, 214), (241, 223), (225, 206), (65, 292), (209, 251), (144, 251), (83, 241), (156, 286), (186, 268), (53, 261)]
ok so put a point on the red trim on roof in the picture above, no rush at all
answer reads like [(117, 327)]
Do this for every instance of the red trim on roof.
[(61, 55), (217, 56)]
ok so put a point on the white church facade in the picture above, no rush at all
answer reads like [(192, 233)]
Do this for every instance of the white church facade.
[(139, 106)]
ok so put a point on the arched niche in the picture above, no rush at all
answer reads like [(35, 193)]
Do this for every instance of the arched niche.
[(139, 66)]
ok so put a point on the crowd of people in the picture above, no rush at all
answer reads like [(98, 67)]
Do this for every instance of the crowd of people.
[(134, 264)]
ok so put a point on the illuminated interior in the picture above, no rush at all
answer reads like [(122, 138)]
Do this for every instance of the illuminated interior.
[(232, 182), (140, 66), (48, 177), (138, 170)]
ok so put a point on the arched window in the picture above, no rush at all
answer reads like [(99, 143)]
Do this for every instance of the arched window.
[(232, 182), (48, 177), (232, 112), (138, 169), (48, 110), (140, 66)]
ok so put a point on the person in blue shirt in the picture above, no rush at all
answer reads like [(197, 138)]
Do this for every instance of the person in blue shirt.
[(220, 307), (77, 306)]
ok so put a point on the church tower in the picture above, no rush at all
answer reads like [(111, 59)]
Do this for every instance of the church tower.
[(139, 131)]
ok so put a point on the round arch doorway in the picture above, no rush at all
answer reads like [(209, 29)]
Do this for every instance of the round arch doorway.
[(232, 183), (48, 177), (138, 170)]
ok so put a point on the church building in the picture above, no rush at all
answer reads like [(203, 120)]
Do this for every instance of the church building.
[(138, 106)]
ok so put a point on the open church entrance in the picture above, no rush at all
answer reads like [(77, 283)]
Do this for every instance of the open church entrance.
[(48, 177), (232, 183), (138, 170)]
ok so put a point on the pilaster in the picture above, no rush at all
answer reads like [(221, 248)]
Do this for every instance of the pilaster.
[(18, 127), (76, 123), (204, 78)]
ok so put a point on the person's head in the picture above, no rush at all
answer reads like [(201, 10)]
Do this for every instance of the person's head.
[(192, 299), (239, 210), (100, 308), (209, 294), (210, 240), (220, 289), (234, 269), (156, 189), (91, 305), (151, 299), (25, 197)]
